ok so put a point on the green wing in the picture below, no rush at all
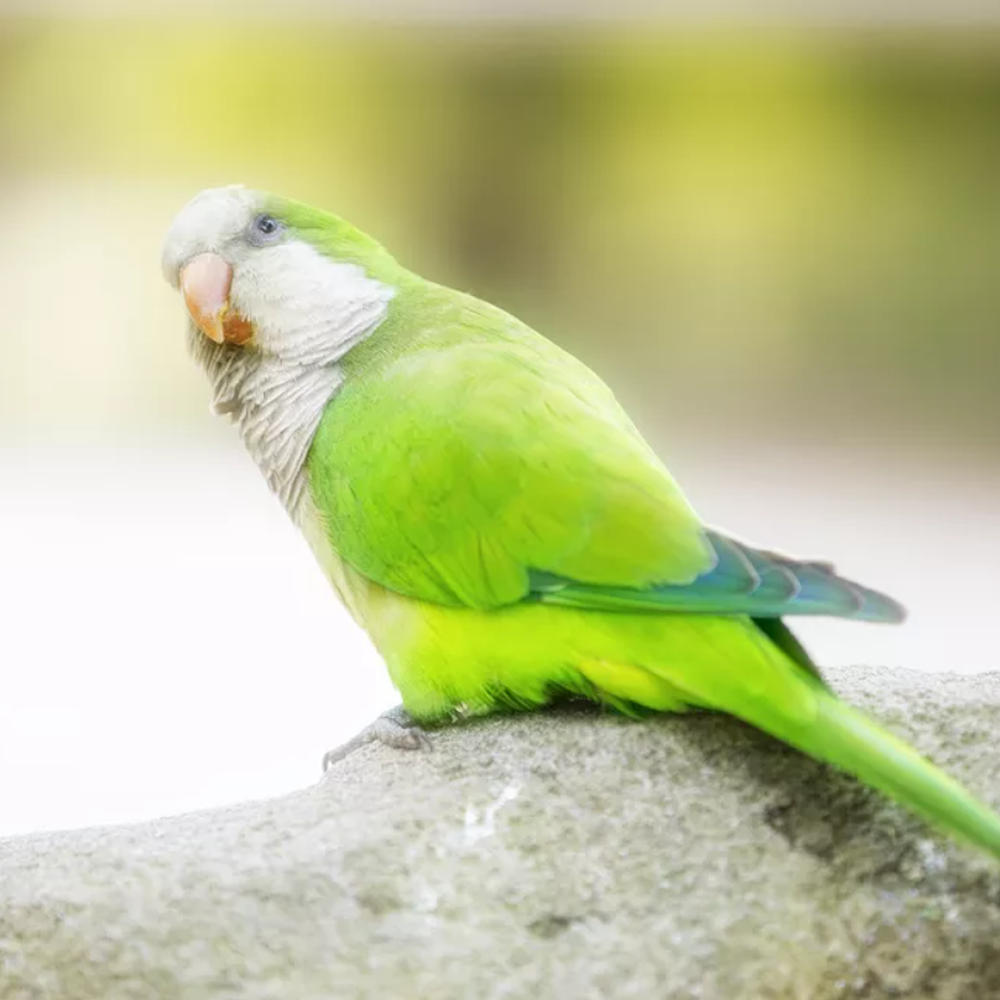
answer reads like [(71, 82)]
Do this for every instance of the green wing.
[(482, 466)]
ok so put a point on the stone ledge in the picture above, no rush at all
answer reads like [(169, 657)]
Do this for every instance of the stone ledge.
[(565, 854)]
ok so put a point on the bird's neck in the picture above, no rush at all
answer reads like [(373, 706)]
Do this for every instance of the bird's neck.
[(277, 416), (277, 402)]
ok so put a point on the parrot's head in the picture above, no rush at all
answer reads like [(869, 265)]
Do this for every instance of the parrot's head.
[(274, 277), (277, 293)]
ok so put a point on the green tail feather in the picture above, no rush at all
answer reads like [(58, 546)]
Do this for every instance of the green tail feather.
[(845, 738)]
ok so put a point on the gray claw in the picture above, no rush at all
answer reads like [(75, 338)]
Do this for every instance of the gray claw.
[(394, 729)]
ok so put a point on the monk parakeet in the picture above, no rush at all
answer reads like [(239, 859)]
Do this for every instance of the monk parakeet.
[(489, 514)]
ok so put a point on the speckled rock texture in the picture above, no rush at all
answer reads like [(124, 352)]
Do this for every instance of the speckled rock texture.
[(568, 854)]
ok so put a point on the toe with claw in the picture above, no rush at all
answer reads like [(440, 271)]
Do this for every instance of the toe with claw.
[(394, 729)]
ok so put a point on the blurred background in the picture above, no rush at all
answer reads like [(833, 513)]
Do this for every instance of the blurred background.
[(779, 243)]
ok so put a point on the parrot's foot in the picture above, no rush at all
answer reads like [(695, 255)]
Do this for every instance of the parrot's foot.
[(394, 729)]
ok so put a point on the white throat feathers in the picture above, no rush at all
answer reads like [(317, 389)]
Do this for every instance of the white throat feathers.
[(276, 394)]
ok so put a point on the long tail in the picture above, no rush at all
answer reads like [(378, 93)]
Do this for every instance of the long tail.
[(852, 742), (847, 739), (765, 678)]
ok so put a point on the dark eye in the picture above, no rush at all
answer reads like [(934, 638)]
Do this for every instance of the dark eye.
[(264, 228)]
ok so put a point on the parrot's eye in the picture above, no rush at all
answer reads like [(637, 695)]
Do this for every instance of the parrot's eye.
[(265, 229)]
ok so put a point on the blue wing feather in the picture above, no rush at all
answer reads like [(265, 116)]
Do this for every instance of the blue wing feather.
[(743, 580)]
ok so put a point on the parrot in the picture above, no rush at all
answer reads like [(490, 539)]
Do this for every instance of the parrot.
[(491, 517)]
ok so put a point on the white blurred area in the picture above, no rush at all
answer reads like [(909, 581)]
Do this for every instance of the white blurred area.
[(168, 643)]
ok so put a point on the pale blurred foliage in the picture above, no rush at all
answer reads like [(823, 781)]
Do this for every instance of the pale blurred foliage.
[(735, 228)]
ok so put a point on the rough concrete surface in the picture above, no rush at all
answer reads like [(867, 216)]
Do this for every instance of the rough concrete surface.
[(570, 854)]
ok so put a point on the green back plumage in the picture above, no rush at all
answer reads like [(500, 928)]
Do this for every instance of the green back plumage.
[(464, 451), (501, 469)]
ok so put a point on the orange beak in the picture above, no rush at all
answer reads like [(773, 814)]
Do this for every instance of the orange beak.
[(205, 284)]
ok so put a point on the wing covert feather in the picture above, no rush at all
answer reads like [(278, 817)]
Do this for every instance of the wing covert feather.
[(460, 469)]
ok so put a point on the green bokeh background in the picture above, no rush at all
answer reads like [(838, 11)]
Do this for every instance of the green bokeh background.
[(784, 233)]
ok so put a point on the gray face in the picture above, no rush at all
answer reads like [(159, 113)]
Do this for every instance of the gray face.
[(216, 254), (227, 221)]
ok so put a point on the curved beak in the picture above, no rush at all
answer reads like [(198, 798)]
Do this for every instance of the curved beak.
[(205, 283)]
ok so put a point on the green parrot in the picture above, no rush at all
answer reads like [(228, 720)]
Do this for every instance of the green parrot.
[(489, 514)]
